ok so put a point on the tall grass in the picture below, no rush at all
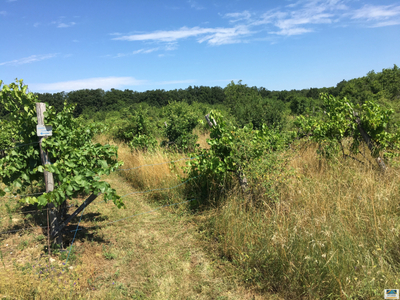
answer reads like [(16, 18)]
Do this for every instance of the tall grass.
[(150, 170), (332, 233)]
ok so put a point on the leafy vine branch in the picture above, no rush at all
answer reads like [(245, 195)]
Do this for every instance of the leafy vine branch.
[(367, 123), (75, 161)]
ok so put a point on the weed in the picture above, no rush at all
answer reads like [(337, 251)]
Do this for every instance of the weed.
[(70, 253), (40, 237), (108, 254), (23, 245)]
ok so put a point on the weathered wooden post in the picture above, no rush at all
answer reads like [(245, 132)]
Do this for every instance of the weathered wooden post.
[(208, 120), (43, 132), (369, 143)]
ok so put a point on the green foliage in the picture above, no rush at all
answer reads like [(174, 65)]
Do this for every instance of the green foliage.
[(340, 121), (383, 86), (232, 148), (248, 106), (7, 136), (181, 120), (76, 163), (138, 133), (302, 105)]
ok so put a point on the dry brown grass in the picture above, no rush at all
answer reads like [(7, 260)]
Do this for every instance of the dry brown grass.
[(334, 231), (202, 140)]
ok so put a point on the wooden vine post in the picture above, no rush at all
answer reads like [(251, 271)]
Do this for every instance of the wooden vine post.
[(369, 143), (48, 177)]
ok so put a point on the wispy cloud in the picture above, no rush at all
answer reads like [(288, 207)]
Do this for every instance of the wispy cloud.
[(140, 51), (238, 16), (11, 0), (223, 36), (297, 18), (3, 13), (195, 5), (65, 25), (213, 36), (378, 15), (144, 51), (104, 83), (303, 17), (60, 23), (171, 47), (386, 23), (27, 60)]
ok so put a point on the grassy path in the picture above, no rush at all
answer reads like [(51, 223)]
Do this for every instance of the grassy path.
[(158, 255)]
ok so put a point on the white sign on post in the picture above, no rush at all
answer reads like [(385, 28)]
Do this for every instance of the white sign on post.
[(44, 130)]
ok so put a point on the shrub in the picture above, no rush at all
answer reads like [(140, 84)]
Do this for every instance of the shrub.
[(138, 132), (181, 120)]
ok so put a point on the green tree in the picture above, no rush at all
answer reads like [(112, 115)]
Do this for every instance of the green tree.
[(248, 106)]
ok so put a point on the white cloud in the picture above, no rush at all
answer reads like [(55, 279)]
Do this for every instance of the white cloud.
[(226, 35), (297, 18), (65, 25), (386, 23), (104, 83), (171, 47), (291, 31), (60, 23), (195, 5), (3, 12), (145, 50), (167, 36), (11, 0), (306, 13), (214, 36), (372, 12), (238, 16), (383, 15), (27, 60), (140, 51), (36, 24)]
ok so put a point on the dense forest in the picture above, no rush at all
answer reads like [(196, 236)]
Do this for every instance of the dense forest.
[(384, 87)]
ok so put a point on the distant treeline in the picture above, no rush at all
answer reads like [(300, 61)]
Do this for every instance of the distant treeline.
[(382, 86)]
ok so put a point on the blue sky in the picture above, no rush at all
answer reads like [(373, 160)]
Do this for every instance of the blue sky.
[(143, 45)]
